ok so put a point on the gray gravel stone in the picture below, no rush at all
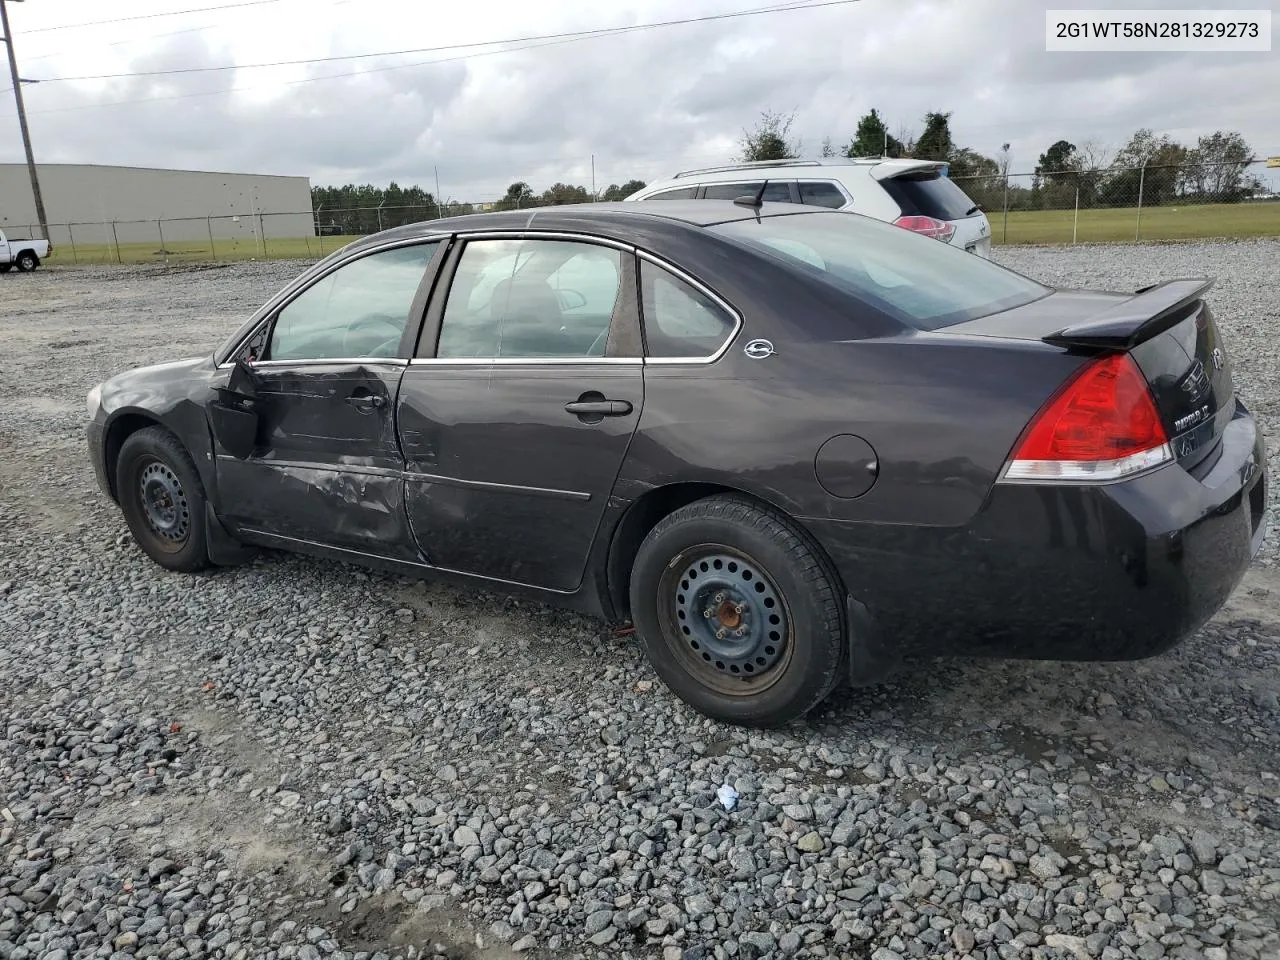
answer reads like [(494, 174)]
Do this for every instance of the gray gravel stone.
[(294, 758)]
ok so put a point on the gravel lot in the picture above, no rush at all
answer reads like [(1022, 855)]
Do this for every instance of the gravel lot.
[(301, 759)]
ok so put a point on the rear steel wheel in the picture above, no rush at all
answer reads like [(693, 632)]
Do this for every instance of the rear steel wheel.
[(739, 611), (725, 617)]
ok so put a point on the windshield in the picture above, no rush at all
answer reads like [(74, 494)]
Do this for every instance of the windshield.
[(922, 282)]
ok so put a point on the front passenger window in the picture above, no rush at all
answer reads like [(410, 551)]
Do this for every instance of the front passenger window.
[(359, 310)]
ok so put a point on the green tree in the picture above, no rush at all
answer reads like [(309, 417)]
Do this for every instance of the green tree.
[(518, 195), (872, 139), (615, 192), (979, 176), (365, 209), (935, 142), (565, 193), (1218, 168), (1148, 165), (964, 162), (1059, 162), (768, 141)]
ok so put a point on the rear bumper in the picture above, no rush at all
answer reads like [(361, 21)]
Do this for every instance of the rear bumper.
[(1112, 572)]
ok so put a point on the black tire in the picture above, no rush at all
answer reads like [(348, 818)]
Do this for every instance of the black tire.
[(27, 261), (163, 499), (760, 639)]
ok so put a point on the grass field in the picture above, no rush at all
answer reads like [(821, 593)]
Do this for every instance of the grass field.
[(198, 251), (1175, 222)]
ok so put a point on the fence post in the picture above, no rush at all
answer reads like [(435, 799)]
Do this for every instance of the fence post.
[(163, 251), (1142, 180), (213, 248), (115, 236), (71, 238), (1075, 223), (262, 235), (1006, 207)]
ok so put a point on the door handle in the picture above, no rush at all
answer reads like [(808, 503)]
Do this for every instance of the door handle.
[(598, 408), (366, 402)]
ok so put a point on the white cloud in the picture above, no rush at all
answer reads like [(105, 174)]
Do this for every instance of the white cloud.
[(643, 103)]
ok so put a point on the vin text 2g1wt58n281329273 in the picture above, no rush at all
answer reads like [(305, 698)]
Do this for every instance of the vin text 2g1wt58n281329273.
[(790, 445)]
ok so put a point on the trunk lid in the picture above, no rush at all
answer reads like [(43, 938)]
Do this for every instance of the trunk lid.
[(1167, 328)]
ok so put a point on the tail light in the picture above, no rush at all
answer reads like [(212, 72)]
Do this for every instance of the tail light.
[(928, 226), (1102, 425)]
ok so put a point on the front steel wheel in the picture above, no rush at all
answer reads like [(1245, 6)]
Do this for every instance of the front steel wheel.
[(162, 499), (164, 504), (739, 611)]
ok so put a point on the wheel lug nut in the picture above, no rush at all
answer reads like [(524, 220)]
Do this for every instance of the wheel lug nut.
[(708, 613), (738, 608), (719, 634), (741, 631), (720, 597)]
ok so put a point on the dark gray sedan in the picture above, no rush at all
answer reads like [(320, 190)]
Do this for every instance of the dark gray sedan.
[(791, 445)]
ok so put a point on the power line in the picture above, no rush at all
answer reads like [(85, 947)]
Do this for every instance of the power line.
[(291, 83), (150, 16), (145, 38), (565, 36)]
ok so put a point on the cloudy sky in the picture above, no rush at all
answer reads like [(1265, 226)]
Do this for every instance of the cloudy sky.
[(645, 103)]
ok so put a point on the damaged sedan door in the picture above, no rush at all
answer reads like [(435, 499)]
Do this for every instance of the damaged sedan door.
[(319, 381)]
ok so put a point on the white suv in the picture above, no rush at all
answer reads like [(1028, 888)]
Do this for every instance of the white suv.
[(913, 194)]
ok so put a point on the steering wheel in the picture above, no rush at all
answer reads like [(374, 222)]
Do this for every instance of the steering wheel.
[(570, 299), (357, 332)]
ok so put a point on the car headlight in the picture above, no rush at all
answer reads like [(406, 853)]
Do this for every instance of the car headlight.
[(94, 401)]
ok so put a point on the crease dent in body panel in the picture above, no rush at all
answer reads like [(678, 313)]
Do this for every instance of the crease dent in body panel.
[(375, 501)]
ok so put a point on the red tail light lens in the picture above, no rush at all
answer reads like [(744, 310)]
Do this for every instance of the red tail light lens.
[(928, 226), (1103, 425)]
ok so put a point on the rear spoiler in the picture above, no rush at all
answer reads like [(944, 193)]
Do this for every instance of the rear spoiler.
[(1148, 313)]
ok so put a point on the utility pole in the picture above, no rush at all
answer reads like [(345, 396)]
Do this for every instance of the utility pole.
[(22, 118)]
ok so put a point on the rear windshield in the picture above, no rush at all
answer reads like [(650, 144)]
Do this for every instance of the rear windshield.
[(931, 195), (924, 283)]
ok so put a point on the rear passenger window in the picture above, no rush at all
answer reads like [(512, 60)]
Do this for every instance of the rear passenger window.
[(777, 191), (822, 194), (531, 299), (680, 320)]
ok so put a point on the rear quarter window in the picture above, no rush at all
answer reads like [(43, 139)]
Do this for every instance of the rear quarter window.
[(930, 195), (822, 194)]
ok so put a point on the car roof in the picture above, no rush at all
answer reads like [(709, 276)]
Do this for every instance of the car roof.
[(617, 219)]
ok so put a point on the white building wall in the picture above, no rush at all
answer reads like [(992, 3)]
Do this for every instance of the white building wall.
[(86, 198)]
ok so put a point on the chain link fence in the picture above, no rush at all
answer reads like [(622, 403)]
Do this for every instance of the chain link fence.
[(1152, 202), (1111, 204)]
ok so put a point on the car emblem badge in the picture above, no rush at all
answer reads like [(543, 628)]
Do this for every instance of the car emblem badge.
[(758, 349), (1196, 383)]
